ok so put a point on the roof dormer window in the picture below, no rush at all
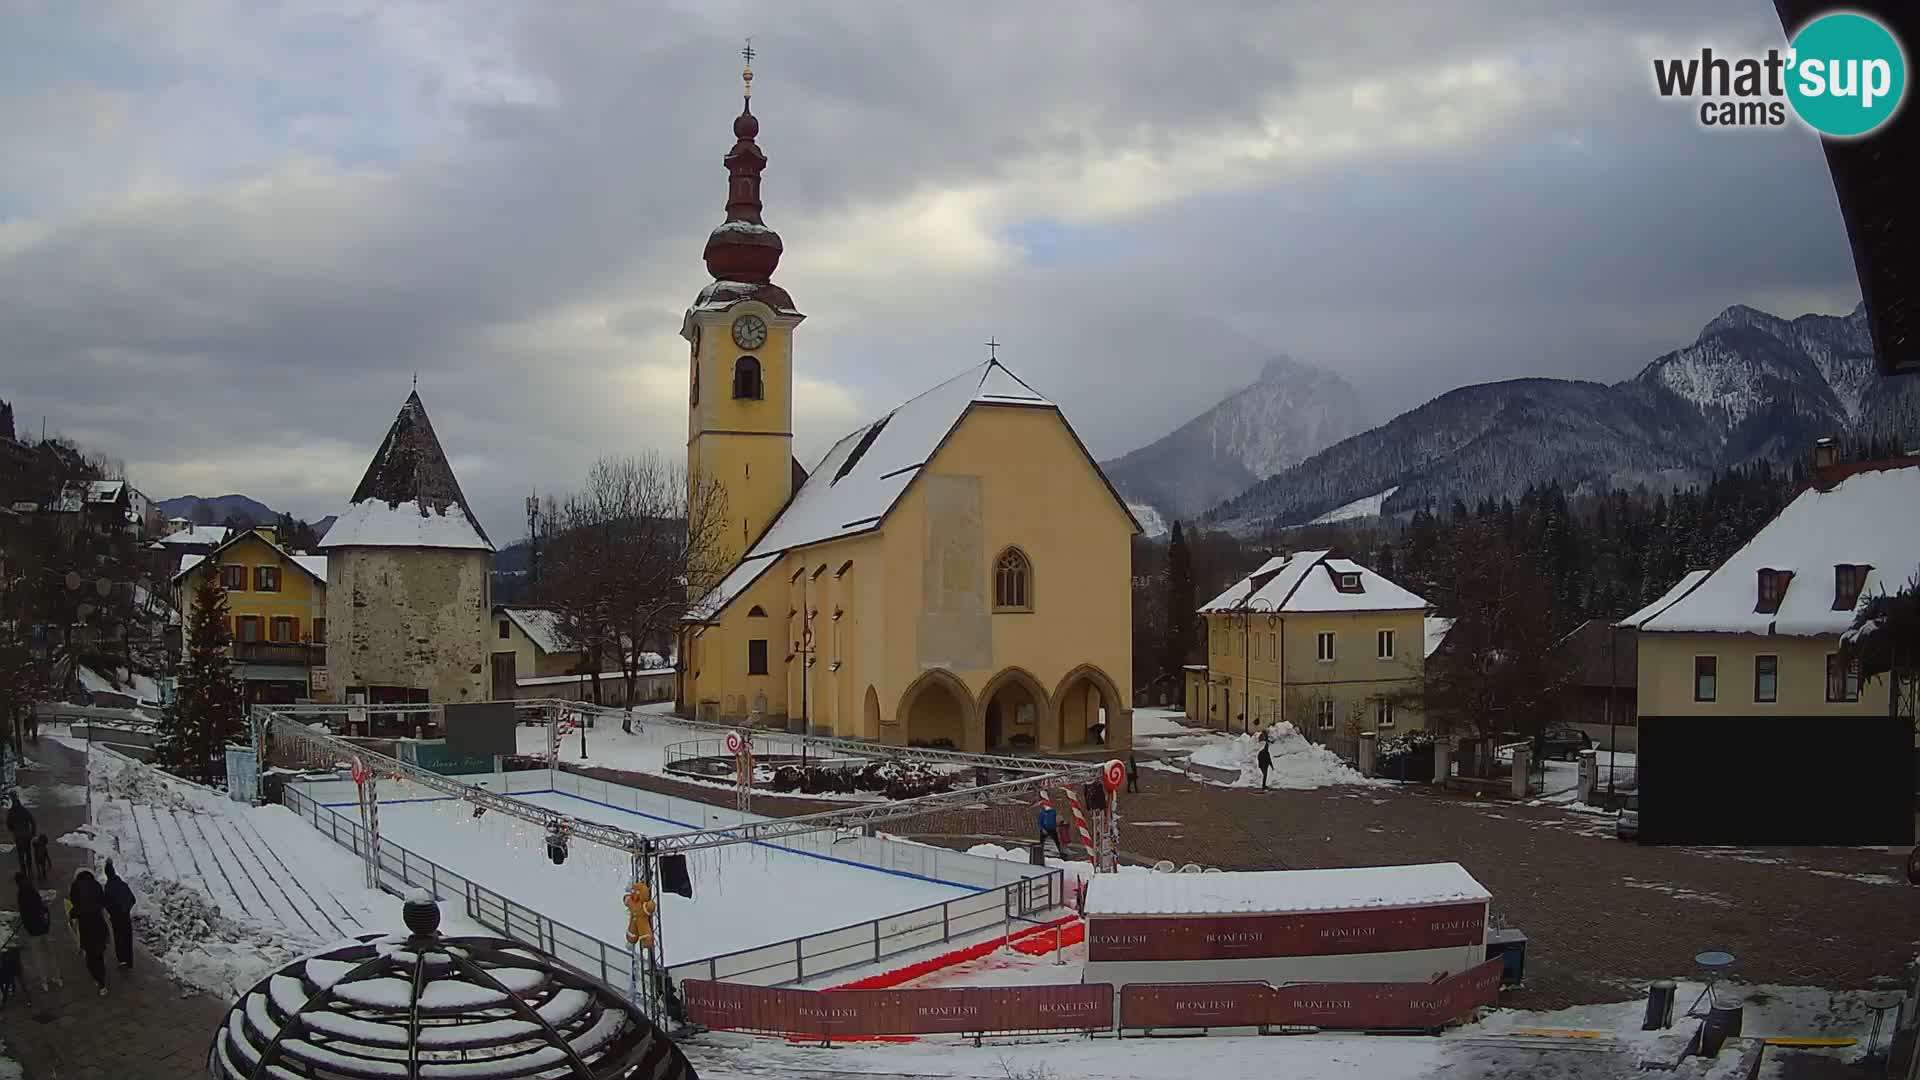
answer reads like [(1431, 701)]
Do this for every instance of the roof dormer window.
[(1848, 580), (1349, 582), (1773, 589)]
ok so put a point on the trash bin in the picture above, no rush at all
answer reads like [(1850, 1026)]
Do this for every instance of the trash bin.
[(1659, 1006), (1722, 1023)]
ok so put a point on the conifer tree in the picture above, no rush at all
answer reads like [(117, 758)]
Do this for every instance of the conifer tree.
[(1180, 606), (208, 709)]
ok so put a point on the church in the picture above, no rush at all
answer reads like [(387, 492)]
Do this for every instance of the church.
[(956, 573)]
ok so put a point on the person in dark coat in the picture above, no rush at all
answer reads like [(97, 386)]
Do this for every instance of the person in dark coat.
[(42, 859), (87, 911), (1133, 772), (36, 926), (120, 914), (20, 824), (1266, 763)]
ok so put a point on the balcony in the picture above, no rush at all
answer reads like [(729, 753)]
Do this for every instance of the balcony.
[(297, 654)]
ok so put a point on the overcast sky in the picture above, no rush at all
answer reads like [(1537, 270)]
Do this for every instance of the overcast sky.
[(231, 232)]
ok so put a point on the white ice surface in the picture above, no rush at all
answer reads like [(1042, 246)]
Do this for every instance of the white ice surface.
[(745, 895)]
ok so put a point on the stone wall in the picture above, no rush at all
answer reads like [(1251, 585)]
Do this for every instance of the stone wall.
[(412, 617)]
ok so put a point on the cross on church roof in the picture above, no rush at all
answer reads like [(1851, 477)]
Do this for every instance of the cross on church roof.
[(993, 349)]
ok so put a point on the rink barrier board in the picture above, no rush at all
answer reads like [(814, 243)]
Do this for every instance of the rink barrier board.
[(813, 956), (1313, 933), (830, 1014), (1351, 1006)]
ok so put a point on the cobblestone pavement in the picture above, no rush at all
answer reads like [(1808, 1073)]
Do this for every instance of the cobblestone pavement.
[(1603, 918), (147, 1026)]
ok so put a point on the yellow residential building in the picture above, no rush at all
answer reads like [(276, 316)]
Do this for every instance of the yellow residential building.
[(953, 573), (276, 612), (1759, 635), (1317, 641)]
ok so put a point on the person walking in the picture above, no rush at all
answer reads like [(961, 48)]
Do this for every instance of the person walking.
[(1049, 823), (87, 912), (42, 859), (20, 824), (1133, 772), (119, 898), (1266, 763), (36, 926)]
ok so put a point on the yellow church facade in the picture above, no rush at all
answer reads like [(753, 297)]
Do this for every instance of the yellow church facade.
[(955, 573)]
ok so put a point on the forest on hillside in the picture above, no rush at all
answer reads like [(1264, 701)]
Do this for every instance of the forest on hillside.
[(1521, 573)]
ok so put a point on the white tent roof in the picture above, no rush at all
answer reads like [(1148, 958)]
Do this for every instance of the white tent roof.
[(1304, 581), (1258, 892), (1868, 518)]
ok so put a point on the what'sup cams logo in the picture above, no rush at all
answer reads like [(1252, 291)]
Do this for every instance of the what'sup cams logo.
[(1843, 75)]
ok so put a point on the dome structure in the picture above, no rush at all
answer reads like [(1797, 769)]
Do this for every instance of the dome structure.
[(419, 1005)]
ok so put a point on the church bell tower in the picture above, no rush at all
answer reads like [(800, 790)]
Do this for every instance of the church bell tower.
[(740, 334)]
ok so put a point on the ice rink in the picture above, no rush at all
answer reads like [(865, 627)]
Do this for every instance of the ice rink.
[(744, 896)]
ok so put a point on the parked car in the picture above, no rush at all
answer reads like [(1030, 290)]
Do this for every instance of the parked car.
[(1564, 743), (1626, 825)]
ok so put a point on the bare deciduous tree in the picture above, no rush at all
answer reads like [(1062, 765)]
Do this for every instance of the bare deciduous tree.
[(619, 557)]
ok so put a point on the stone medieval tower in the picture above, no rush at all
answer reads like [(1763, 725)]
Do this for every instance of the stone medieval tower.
[(408, 578)]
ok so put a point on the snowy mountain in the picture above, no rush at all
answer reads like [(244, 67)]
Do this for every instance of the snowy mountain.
[(216, 510), (1293, 411), (1751, 386)]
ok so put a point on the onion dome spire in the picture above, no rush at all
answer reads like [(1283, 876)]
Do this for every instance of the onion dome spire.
[(742, 248)]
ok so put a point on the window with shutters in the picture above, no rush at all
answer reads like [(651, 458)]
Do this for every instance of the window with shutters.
[(249, 626), (233, 577), (266, 579), (283, 630), (319, 631)]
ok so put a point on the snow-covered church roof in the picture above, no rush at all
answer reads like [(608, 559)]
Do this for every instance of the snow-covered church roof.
[(1868, 516), (854, 487), (1312, 581), (409, 496)]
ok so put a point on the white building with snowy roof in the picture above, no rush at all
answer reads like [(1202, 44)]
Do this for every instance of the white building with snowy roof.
[(1317, 641), (955, 572), (408, 570)]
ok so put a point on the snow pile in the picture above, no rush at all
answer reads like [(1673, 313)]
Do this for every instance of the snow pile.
[(1299, 763), (204, 947)]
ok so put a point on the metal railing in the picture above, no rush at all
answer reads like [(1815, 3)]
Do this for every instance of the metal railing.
[(779, 963)]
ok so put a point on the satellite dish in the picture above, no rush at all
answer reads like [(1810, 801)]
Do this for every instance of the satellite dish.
[(73, 581)]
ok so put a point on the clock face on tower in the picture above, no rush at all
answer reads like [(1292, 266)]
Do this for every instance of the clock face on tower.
[(749, 332)]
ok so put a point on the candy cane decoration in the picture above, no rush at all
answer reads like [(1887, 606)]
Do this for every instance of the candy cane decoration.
[(1080, 822), (741, 747)]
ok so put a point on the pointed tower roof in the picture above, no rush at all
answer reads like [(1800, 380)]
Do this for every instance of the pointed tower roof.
[(409, 497), (742, 252)]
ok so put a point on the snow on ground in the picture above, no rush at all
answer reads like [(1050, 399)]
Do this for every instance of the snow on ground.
[(1298, 762), (744, 895), (1562, 785), (1358, 508), (1769, 1011), (142, 688), (645, 750), (228, 892)]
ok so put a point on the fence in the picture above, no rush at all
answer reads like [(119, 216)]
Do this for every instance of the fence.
[(1357, 1006), (765, 746), (1007, 890)]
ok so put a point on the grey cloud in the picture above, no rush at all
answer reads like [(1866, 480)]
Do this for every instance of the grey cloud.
[(268, 310)]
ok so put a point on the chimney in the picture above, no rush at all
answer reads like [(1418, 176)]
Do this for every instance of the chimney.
[(1826, 453), (268, 533)]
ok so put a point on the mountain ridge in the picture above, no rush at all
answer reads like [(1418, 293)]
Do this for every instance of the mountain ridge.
[(1751, 386)]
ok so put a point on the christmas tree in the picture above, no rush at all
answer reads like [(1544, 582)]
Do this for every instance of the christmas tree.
[(208, 711)]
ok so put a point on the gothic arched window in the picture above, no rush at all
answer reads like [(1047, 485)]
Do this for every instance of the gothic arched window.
[(746, 379), (1012, 581)]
